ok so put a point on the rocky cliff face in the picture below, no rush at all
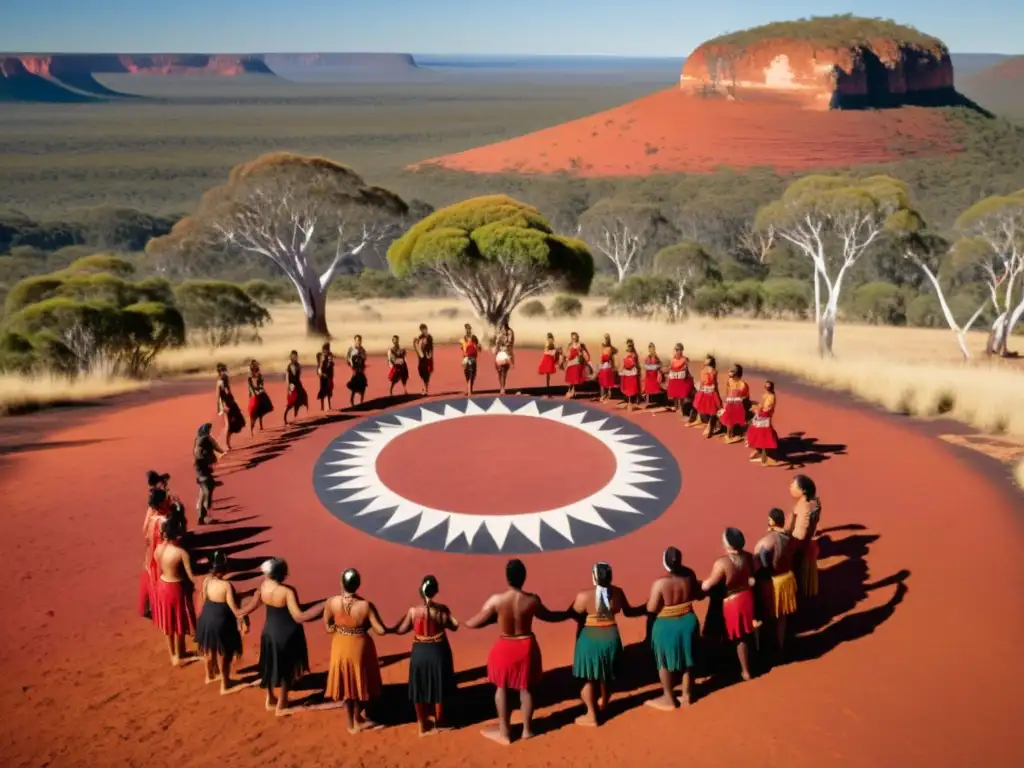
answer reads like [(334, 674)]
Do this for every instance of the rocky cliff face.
[(877, 73), (225, 65)]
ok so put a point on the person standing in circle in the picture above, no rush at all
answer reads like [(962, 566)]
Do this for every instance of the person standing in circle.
[(431, 668), (629, 376), (205, 453), (803, 527), (173, 610), (157, 512), (707, 402), (218, 631), (598, 655), (470, 358), (549, 360), (607, 376), (259, 401), (774, 556), (576, 360), (356, 358), (297, 397), (652, 375), (325, 375), (675, 634), (680, 382), (227, 407), (284, 657), (732, 577), (761, 435), (504, 354), (734, 414), (353, 673), (424, 348), (398, 369)]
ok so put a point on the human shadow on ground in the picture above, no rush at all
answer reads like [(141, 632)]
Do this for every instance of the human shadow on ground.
[(44, 445), (797, 450), (279, 439)]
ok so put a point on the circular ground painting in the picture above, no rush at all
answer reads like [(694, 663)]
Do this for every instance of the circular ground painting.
[(509, 475)]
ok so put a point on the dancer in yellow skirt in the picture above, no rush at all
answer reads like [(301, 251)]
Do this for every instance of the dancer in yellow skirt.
[(803, 527), (353, 674), (774, 555)]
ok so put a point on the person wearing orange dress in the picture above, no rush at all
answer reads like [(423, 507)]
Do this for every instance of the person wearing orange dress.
[(470, 358), (680, 382), (707, 402), (761, 435), (549, 359), (607, 378), (297, 397), (734, 413), (260, 404), (576, 359), (629, 375), (398, 369), (653, 375)]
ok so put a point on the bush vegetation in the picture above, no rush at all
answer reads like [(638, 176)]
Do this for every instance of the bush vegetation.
[(831, 31)]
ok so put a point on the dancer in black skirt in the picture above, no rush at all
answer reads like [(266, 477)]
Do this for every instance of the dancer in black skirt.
[(431, 670), (357, 362), (218, 632), (284, 658)]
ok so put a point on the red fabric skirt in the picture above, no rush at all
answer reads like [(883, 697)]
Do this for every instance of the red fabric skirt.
[(547, 365), (298, 398), (259, 406), (515, 662), (173, 610), (398, 374), (145, 595), (680, 389), (575, 374), (629, 384), (707, 403), (652, 382), (734, 414), (761, 435), (607, 378), (738, 612)]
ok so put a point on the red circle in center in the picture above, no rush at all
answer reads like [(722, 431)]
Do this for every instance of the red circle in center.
[(495, 465)]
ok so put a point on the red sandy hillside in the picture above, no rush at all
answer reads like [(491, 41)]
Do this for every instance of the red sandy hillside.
[(791, 96)]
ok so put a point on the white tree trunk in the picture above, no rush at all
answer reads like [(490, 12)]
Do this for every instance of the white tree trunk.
[(960, 331)]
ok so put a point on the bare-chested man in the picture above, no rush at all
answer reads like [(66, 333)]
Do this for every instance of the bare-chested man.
[(423, 345), (173, 610), (676, 630), (733, 574), (774, 555), (514, 661), (803, 527)]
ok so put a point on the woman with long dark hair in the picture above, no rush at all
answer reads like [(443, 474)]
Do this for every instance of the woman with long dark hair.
[(325, 375), (259, 401), (297, 397), (219, 629), (173, 610), (708, 401), (356, 358), (431, 668), (227, 407)]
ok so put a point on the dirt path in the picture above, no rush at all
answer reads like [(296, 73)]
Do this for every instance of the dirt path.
[(910, 661)]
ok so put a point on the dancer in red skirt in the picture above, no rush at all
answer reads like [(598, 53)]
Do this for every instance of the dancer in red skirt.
[(227, 407), (514, 661), (398, 369), (259, 401), (680, 381), (470, 361), (174, 612), (761, 435), (734, 413), (707, 402), (607, 376), (629, 375), (576, 361), (423, 346), (504, 354), (325, 375), (549, 360), (653, 375), (732, 581), (297, 397), (156, 513)]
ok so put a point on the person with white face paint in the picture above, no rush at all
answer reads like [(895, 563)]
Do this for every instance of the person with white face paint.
[(598, 646), (676, 630)]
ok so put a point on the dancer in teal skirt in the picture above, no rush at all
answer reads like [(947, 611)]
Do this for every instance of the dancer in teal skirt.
[(676, 629)]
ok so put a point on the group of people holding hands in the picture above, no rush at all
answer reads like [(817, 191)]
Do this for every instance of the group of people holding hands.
[(748, 590)]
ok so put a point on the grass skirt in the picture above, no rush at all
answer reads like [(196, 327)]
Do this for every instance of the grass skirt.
[(431, 672), (779, 595), (674, 642), (598, 654)]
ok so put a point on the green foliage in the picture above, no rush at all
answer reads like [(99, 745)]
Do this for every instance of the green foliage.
[(30, 291), (602, 285), (533, 308), (643, 295), (266, 292), (712, 300), (880, 304), (372, 284), (837, 31), (566, 306), (786, 296), (219, 313), (745, 296), (101, 263)]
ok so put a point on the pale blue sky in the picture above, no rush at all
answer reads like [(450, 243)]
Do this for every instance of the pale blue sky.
[(614, 27)]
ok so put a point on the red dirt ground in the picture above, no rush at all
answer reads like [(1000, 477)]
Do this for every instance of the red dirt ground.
[(916, 666), (672, 132)]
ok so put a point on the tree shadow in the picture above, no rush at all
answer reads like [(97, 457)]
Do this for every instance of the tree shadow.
[(798, 451)]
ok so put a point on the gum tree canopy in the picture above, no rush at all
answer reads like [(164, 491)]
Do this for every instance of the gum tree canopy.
[(305, 214), (833, 221), (495, 252)]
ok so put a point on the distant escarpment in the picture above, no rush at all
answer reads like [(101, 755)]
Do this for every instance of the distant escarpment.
[(358, 61), (837, 62)]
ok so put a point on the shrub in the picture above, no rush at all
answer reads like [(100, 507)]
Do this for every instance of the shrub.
[(712, 301), (566, 306), (533, 308), (786, 296), (643, 295), (265, 292), (880, 303), (745, 296), (602, 285), (219, 313)]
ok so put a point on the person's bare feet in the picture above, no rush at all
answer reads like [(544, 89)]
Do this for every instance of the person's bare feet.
[(587, 720), (661, 703), (747, 677), (527, 733), (270, 704), (495, 734)]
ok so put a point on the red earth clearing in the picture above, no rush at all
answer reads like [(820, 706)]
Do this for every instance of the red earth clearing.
[(673, 132), (912, 660)]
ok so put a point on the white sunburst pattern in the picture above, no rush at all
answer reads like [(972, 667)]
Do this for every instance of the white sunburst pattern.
[(644, 475)]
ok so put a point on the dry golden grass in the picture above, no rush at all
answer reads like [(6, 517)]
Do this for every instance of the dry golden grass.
[(19, 393), (1018, 473)]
